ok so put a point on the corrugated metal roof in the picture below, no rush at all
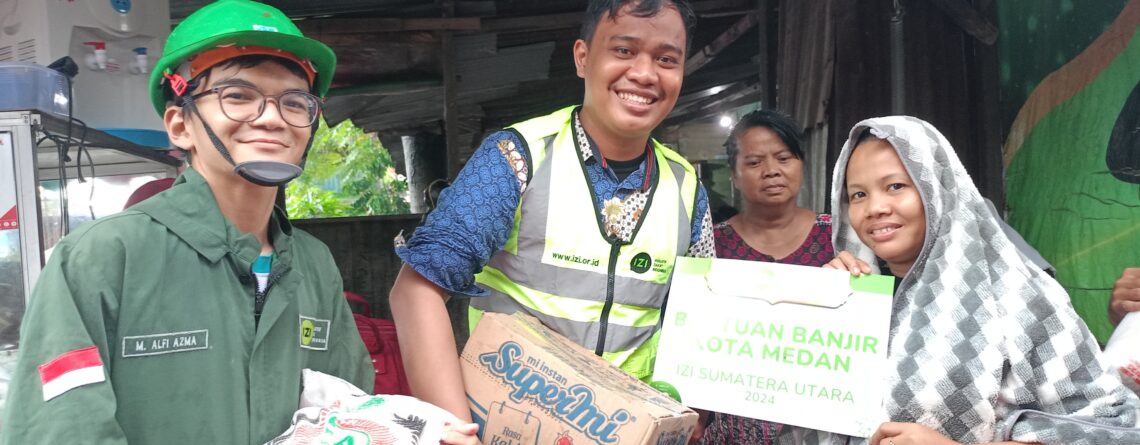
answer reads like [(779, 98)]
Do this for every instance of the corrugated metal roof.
[(389, 75)]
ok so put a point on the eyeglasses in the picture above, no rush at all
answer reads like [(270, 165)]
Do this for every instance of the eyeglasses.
[(246, 104)]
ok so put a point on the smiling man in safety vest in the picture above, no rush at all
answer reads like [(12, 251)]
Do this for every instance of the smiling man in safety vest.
[(575, 217)]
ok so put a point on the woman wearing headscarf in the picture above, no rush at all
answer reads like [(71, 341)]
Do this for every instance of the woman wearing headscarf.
[(984, 346), (767, 169)]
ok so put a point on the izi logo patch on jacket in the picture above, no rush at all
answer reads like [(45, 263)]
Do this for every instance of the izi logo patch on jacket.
[(71, 370), (315, 333)]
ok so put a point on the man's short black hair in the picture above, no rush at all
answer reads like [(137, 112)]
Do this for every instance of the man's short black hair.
[(599, 9), (783, 125)]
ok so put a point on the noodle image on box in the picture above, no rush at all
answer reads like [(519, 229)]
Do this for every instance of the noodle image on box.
[(528, 385)]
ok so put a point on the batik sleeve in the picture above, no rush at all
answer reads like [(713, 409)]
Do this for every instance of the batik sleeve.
[(701, 243), (473, 220)]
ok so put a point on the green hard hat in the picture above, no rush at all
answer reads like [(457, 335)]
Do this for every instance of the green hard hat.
[(242, 23)]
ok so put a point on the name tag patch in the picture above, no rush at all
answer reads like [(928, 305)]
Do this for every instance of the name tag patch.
[(315, 333), (156, 344)]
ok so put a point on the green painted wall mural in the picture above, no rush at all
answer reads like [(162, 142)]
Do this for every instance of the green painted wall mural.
[(1072, 154), (1039, 36)]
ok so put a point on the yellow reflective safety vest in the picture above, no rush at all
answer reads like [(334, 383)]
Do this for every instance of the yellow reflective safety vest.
[(560, 266)]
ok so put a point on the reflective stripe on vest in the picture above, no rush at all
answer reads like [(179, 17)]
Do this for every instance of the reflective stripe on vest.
[(556, 263)]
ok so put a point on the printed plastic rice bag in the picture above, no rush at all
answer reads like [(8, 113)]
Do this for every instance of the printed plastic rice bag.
[(334, 411), (1123, 351)]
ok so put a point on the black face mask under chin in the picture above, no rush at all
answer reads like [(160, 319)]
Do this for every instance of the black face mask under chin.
[(263, 173), (268, 173)]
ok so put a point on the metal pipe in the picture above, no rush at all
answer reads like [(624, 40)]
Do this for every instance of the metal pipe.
[(898, 60), (412, 163)]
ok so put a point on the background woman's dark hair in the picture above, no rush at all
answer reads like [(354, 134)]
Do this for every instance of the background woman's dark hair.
[(864, 135), (783, 125), (596, 10)]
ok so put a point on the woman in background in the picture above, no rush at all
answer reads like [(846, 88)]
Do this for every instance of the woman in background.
[(767, 168)]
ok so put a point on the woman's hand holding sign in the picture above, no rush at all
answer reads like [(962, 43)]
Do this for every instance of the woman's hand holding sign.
[(845, 261), (899, 433)]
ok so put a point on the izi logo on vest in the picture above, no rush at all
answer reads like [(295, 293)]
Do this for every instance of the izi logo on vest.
[(641, 262)]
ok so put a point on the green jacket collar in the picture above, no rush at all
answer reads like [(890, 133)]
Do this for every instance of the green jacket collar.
[(190, 211)]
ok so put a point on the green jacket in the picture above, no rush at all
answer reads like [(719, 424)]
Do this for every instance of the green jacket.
[(164, 292)]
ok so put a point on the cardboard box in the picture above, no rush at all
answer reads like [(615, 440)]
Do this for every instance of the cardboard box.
[(528, 385)]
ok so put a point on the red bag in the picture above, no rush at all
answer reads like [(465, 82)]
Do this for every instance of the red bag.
[(379, 337)]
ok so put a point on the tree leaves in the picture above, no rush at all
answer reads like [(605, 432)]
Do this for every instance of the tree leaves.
[(348, 173)]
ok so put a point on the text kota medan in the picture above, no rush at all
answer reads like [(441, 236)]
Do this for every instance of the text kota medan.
[(739, 336), (774, 342)]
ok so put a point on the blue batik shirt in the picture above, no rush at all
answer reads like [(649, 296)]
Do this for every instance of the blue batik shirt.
[(475, 215)]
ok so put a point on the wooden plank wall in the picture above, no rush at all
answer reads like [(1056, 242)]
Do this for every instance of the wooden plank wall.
[(950, 81)]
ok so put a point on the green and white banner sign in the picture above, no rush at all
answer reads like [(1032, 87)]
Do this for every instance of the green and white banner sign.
[(790, 344)]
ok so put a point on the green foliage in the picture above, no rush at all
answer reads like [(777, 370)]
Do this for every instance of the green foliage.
[(348, 173)]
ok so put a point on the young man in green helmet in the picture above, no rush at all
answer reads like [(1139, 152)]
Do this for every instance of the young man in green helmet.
[(189, 317), (575, 218)]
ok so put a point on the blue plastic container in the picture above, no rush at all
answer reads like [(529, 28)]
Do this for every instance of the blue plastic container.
[(140, 136), (27, 86)]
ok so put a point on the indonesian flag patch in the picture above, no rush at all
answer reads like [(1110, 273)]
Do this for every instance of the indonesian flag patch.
[(71, 370)]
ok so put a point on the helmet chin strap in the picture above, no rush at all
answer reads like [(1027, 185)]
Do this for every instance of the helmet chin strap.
[(263, 173)]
